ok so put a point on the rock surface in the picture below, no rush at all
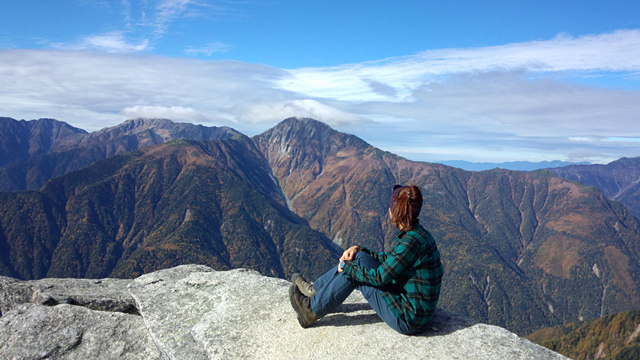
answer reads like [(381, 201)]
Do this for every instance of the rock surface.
[(103, 294), (32, 331), (195, 312)]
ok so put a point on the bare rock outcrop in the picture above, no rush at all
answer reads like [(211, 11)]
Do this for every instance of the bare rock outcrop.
[(195, 312), (32, 331), (102, 294)]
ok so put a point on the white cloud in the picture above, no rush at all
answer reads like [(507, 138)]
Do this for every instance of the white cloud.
[(208, 49), (175, 113), (502, 116), (508, 102), (121, 85), (581, 138), (617, 51), (168, 11), (110, 42), (147, 25), (273, 112), (126, 13), (5, 41), (499, 103)]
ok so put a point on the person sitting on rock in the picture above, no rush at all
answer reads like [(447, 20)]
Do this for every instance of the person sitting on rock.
[(401, 285)]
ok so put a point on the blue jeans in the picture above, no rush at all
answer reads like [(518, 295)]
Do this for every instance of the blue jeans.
[(332, 289)]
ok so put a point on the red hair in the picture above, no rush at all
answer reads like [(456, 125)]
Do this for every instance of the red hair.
[(406, 207)]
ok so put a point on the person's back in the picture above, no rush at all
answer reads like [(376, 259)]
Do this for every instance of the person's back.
[(421, 283)]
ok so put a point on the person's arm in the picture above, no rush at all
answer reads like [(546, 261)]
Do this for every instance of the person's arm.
[(398, 260), (350, 253)]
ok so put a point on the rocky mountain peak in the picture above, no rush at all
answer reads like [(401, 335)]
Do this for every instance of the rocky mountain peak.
[(310, 135), (299, 149), (194, 312), (153, 130), (301, 124)]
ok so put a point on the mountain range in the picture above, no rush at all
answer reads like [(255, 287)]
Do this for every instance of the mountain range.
[(32, 152), (164, 205), (510, 165), (523, 250)]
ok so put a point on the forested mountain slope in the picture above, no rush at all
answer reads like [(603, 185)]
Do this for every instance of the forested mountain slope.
[(23, 139), (615, 336), (170, 204)]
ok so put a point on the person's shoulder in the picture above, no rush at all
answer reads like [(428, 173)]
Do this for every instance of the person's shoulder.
[(419, 230), (415, 233), (419, 233)]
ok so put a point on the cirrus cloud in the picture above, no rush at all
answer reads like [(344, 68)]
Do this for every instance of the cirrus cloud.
[(616, 51), (110, 42), (208, 49)]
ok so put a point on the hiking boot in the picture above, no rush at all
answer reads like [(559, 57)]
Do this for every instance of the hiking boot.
[(306, 288), (300, 303)]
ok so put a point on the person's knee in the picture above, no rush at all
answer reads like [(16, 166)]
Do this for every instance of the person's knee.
[(366, 260), (362, 256)]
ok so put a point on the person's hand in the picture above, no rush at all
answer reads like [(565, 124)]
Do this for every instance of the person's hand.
[(350, 253), (340, 267)]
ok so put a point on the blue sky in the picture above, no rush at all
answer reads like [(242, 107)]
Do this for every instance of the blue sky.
[(430, 80)]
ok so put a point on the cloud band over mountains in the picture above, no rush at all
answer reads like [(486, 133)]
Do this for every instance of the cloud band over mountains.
[(523, 101)]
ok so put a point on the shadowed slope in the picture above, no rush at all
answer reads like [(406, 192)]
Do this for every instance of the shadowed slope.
[(52, 158), (23, 139)]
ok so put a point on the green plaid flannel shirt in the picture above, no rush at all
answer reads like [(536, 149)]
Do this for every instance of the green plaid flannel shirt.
[(409, 274)]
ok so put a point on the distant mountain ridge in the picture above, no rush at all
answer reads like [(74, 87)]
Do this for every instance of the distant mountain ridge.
[(523, 250), (510, 165), (618, 180), (157, 131), (23, 139), (74, 149)]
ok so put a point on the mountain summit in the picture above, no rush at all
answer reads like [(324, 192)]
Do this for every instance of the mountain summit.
[(299, 150)]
